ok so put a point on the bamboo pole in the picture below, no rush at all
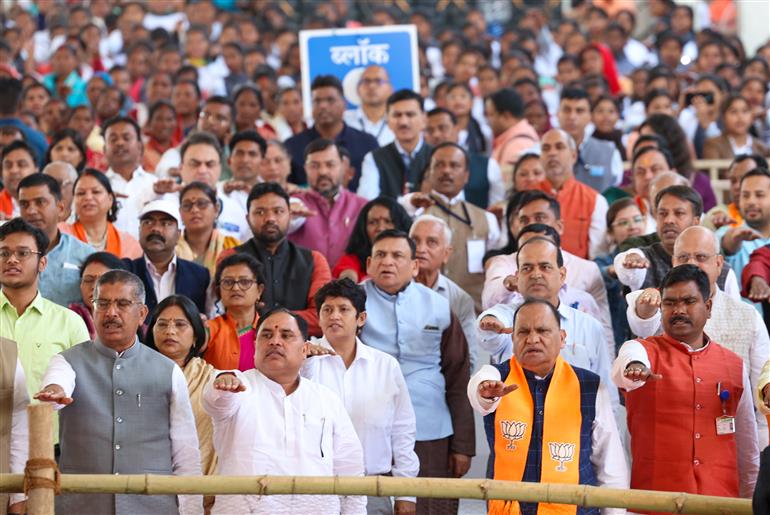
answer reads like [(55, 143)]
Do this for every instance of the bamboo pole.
[(580, 495), (41, 496)]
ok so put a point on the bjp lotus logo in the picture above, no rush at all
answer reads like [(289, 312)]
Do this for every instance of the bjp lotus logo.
[(562, 453), (512, 431)]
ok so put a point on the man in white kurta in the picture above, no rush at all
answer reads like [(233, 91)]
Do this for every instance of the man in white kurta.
[(269, 420)]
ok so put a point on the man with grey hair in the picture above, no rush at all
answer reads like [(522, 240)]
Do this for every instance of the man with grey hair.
[(735, 324), (66, 175), (432, 238), (583, 209), (127, 407)]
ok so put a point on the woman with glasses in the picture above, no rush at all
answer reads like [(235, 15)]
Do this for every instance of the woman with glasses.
[(175, 329), (238, 284), (96, 208), (624, 220), (201, 242), (95, 266)]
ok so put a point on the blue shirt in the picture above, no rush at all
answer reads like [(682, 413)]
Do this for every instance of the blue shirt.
[(35, 138), (741, 258), (358, 143), (60, 281)]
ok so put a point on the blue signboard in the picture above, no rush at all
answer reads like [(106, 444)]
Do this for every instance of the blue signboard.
[(345, 53)]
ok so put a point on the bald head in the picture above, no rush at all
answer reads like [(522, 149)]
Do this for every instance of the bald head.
[(61, 171), (662, 181), (699, 246)]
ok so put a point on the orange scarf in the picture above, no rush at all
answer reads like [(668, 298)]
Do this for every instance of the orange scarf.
[(732, 212), (113, 237), (6, 203), (561, 435)]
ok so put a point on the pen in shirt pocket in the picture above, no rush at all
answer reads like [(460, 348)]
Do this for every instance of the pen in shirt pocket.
[(323, 426), (138, 400)]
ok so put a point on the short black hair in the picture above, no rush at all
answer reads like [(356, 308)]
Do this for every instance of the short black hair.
[(248, 135), (221, 100), (667, 35), (240, 258), (760, 161), (18, 145), (266, 188), (529, 301), (656, 138), (660, 150), (756, 172), (530, 196), (572, 93), (327, 81), (122, 119), (687, 273), (549, 231), (685, 193), (653, 94), (193, 316), (200, 138), (107, 259), (342, 288), (405, 94), (41, 179), (507, 100), (559, 255), (301, 322), (19, 225), (9, 100), (398, 235), (454, 145), (442, 110), (319, 145)]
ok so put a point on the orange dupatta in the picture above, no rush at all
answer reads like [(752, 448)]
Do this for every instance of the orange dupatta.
[(113, 237), (561, 435)]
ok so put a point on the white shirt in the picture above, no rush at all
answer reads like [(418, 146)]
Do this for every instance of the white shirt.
[(462, 307), (634, 277), (185, 456), (689, 122), (586, 345), (582, 274), (369, 184), (607, 454), (164, 284), (138, 191), (756, 339), (375, 396), (19, 428), (493, 236), (745, 424), (264, 431), (358, 120)]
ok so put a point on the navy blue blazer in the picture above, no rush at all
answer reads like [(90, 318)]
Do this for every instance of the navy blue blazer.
[(192, 280)]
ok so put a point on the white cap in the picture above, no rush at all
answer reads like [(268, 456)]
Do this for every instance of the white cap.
[(168, 207)]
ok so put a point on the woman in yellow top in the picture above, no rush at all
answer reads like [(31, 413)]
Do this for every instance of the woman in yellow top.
[(176, 330), (96, 208), (201, 241)]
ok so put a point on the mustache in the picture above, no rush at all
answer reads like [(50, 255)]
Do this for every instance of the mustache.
[(158, 237), (679, 318)]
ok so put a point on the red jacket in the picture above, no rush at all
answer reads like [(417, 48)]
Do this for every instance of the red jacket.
[(758, 265)]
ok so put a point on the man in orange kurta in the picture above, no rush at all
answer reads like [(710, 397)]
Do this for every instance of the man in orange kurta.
[(689, 401), (583, 210)]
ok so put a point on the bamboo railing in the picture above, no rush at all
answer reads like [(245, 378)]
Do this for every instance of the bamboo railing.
[(41, 495)]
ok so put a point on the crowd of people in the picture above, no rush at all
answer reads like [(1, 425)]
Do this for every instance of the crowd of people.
[(204, 279)]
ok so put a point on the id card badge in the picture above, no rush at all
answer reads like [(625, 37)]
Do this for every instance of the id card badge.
[(476, 250), (595, 170), (725, 425)]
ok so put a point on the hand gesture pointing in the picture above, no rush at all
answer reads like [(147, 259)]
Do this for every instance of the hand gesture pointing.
[(636, 371), (495, 389)]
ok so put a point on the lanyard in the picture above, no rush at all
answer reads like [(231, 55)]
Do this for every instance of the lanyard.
[(379, 131), (445, 209)]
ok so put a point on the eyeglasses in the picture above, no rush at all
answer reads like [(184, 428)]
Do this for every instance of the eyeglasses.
[(637, 220), (243, 284), (121, 304), (372, 82), (20, 254), (178, 325), (199, 204), (700, 258)]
